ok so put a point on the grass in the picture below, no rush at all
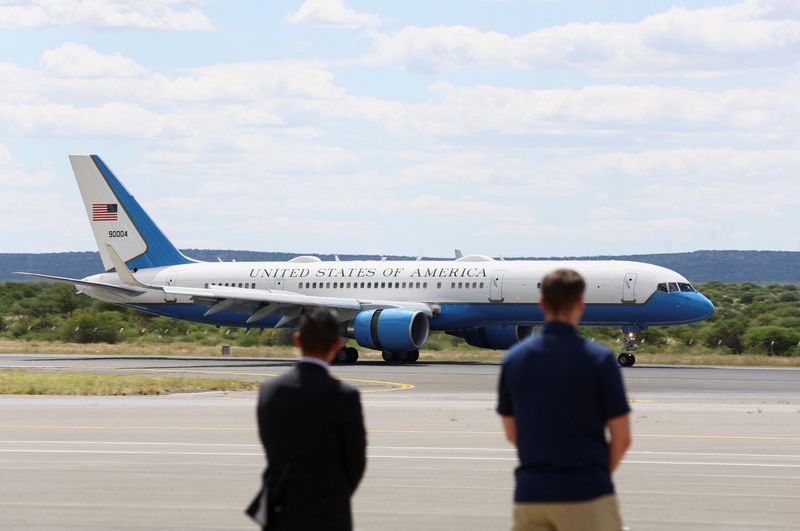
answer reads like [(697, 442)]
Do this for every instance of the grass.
[(61, 383), (648, 354)]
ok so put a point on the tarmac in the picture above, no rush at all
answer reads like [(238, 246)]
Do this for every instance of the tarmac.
[(714, 448)]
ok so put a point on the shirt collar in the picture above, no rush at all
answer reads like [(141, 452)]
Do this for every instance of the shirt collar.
[(315, 361), (557, 327)]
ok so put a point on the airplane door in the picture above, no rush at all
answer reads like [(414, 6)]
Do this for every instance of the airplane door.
[(279, 284), (629, 288), (496, 286)]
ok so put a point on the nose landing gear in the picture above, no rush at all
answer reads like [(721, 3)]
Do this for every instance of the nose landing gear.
[(626, 357)]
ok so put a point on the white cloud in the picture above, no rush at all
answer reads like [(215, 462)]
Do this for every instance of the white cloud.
[(633, 113), (5, 156), (175, 15), (332, 13), (78, 60), (751, 35)]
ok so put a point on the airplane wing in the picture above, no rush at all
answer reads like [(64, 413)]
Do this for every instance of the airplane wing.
[(77, 282), (262, 303)]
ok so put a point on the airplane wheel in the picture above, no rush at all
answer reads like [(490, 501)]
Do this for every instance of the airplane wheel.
[(352, 354), (413, 356), (626, 360), (389, 357), (342, 357)]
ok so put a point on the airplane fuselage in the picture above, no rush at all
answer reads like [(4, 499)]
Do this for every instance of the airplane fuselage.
[(465, 293)]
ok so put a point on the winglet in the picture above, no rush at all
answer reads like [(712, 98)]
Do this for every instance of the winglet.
[(123, 272), (458, 253)]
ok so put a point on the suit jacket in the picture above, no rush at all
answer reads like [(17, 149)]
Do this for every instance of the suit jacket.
[(312, 429)]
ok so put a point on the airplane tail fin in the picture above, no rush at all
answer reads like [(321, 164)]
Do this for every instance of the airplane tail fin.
[(118, 221)]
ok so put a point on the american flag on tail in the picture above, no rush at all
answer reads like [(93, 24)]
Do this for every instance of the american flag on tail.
[(104, 211)]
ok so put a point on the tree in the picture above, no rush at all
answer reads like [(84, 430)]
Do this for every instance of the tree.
[(730, 332), (86, 326), (771, 339)]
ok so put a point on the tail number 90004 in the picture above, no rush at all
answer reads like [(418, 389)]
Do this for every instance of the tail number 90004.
[(117, 234)]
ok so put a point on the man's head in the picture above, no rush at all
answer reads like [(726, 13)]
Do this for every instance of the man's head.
[(318, 334), (562, 296)]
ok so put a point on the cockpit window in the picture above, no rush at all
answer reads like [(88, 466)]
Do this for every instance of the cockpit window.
[(663, 287), (686, 287), (673, 287)]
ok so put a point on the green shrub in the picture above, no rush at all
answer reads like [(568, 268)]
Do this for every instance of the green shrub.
[(771, 339), (86, 326), (728, 332), (789, 296)]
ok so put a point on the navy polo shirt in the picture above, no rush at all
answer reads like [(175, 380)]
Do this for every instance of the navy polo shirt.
[(561, 390)]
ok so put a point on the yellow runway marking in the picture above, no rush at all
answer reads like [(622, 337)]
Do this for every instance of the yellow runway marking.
[(393, 386)]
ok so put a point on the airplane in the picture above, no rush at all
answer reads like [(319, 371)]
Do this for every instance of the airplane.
[(389, 306)]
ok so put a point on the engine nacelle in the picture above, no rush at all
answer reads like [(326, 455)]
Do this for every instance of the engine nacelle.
[(496, 336), (392, 329)]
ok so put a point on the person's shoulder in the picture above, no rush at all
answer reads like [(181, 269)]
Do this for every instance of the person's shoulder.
[(527, 346), (599, 352), (346, 389), (276, 382)]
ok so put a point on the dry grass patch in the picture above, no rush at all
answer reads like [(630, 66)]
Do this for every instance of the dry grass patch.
[(61, 383), (138, 349)]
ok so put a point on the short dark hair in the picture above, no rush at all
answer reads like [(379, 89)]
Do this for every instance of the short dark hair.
[(318, 331), (562, 289)]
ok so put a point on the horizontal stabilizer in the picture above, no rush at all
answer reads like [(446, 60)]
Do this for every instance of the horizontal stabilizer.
[(89, 283)]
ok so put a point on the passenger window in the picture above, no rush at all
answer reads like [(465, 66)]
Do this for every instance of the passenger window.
[(481, 285), (460, 285), (226, 284), (673, 287), (327, 285), (348, 285), (439, 285), (253, 285), (383, 284), (335, 285), (663, 287), (452, 285), (300, 285), (240, 284), (474, 285), (424, 285)]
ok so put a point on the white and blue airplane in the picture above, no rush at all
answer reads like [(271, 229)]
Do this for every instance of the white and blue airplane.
[(390, 306)]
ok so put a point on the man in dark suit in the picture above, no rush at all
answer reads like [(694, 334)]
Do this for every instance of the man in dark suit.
[(312, 429)]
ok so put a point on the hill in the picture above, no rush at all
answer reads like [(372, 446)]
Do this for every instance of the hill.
[(762, 267)]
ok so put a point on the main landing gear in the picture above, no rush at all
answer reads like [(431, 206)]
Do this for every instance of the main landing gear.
[(401, 357), (346, 356), (626, 357)]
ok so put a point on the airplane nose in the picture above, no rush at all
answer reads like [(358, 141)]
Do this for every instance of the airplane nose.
[(705, 305)]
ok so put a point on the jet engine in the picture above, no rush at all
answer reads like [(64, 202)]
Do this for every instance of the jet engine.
[(496, 336), (391, 329)]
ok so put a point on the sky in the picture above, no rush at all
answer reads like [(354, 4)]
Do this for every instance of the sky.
[(500, 127)]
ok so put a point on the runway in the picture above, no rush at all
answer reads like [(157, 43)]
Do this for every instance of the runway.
[(715, 448)]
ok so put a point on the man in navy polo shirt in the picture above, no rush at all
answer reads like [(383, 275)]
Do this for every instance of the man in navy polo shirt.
[(557, 395)]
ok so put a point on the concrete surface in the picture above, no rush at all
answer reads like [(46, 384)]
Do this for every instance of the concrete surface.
[(715, 448)]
